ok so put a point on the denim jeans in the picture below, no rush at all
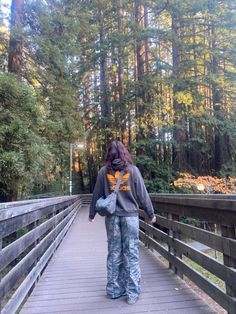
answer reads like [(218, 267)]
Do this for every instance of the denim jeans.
[(123, 270)]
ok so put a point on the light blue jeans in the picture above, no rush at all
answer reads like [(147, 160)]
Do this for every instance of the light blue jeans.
[(123, 270)]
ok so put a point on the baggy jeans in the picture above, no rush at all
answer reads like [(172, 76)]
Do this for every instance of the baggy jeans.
[(123, 270)]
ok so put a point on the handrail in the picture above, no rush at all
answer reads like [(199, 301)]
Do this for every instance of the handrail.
[(46, 222), (170, 237), (44, 195), (29, 236), (25, 202)]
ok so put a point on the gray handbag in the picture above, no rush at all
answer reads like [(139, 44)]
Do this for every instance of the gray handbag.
[(106, 206)]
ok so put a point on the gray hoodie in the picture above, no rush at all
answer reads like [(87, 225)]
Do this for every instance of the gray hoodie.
[(132, 193)]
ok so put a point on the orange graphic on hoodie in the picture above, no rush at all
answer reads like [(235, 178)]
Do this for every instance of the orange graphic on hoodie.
[(113, 180)]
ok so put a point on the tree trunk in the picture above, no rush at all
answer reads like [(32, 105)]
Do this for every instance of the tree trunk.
[(87, 114), (179, 134), (79, 172), (105, 108), (15, 51), (104, 90), (140, 73), (194, 152), (217, 105), (121, 88)]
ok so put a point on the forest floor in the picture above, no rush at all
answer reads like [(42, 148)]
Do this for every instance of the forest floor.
[(205, 184)]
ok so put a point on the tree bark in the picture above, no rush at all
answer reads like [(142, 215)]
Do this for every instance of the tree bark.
[(140, 71), (179, 134), (15, 51), (121, 87), (195, 152), (104, 90), (217, 104), (87, 114), (80, 176), (105, 109)]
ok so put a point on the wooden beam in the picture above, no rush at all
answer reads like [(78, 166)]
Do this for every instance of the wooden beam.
[(211, 289), (13, 250), (12, 277), (21, 293)]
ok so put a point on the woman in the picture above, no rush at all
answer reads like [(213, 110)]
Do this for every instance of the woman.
[(123, 271)]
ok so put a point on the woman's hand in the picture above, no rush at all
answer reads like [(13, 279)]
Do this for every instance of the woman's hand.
[(153, 220)]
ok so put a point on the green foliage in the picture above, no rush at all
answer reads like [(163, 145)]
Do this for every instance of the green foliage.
[(158, 185), (23, 149), (184, 98), (157, 177), (178, 90), (54, 49), (190, 221)]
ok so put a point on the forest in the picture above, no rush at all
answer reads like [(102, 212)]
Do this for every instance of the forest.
[(158, 75)]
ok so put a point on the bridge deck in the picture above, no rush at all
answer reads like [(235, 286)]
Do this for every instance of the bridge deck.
[(75, 280)]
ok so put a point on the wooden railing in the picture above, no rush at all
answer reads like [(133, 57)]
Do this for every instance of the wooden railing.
[(30, 232), (170, 237), (35, 228)]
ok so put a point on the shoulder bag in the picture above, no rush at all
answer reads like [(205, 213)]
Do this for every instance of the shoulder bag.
[(106, 206)]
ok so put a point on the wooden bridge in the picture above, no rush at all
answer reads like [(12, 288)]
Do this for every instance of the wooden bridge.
[(52, 260)]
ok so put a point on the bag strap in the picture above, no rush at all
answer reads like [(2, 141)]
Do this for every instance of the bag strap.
[(119, 181)]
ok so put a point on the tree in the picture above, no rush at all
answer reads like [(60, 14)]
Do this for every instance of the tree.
[(24, 154), (157, 74), (15, 55)]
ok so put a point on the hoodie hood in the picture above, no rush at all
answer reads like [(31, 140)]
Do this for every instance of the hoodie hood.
[(118, 164)]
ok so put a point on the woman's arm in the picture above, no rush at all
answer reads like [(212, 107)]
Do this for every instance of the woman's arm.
[(143, 197), (97, 193)]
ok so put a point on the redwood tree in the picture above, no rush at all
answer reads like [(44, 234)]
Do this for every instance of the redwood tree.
[(15, 54)]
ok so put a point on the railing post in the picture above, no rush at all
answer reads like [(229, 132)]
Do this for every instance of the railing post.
[(30, 227), (55, 223), (229, 232), (174, 235), (149, 233)]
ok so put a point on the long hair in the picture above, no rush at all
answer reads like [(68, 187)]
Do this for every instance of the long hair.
[(117, 150)]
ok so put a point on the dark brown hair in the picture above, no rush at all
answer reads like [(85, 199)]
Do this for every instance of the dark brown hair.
[(117, 150)]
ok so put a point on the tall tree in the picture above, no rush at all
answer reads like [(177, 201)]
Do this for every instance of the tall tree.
[(104, 90), (15, 54), (158, 74), (121, 68), (179, 134)]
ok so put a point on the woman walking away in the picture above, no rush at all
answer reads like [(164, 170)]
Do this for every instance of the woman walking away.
[(123, 270)]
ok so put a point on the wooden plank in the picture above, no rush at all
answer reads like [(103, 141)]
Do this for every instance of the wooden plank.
[(230, 260), (212, 290), (214, 204), (21, 210), (13, 250), (11, 225), (205, 214), (80, 288), (120, 307), (215, 267), (12, 277), (18, 203), (156, 196), (30, 201), (20, 294), (83, 303), (217, 242), (98, 289)]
